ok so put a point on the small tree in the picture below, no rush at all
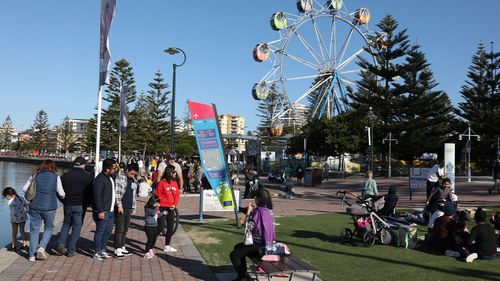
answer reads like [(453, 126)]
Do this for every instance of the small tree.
[(6, 134), (66, 136), (40, 131)]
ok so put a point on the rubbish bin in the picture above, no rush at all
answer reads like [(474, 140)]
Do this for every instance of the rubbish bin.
[(313, 176)]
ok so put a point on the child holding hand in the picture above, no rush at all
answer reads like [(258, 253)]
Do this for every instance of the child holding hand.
[(151, 224)]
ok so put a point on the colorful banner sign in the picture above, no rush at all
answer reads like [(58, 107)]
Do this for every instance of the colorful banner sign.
[(208, 138)]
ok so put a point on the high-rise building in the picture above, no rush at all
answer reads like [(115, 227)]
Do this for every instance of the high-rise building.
[(232, 124), (78, 128), (297, 117)]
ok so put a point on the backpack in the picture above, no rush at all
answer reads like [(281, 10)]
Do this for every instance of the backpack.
[(407, 237)]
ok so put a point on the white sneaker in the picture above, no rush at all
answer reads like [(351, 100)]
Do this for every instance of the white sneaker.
[(169, 249), (451, 253), (471, 257), (41, 254), (124, 250), (118, 253), (105, 255), (98, 257), (32, 259)]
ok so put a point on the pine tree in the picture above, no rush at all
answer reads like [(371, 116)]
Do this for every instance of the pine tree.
[(425, 115), (66, 136), (40, 129), (121, 75), (377, 87), (481, 105), (5, 137), (157, 112)]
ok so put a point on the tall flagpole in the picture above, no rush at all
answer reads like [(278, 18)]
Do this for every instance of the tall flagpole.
[(107, 14), (120, 126), (98, 133)]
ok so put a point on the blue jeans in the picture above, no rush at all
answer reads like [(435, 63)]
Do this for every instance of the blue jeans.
[(103, 230), (36, 218), (73, 219)]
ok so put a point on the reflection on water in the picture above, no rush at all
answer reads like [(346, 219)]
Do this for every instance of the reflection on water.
[(13, 175)]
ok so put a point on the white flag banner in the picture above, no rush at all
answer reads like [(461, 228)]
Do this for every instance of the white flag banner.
[(123, 109), (107, 14)]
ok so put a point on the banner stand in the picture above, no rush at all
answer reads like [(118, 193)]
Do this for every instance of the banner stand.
[(235, 205), (201, 204)]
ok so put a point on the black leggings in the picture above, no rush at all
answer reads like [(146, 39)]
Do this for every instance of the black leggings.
[(238, 257), (151, 234), (167, 221), (15, 227)]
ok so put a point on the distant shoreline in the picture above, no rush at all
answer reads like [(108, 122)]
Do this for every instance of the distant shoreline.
[(37, 161)]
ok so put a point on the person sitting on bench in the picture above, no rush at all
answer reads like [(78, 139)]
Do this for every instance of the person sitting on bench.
[(264, 232)]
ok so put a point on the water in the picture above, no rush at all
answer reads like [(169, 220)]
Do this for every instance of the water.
[(14, 175)]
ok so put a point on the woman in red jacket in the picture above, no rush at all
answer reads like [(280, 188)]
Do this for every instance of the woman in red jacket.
[(168, 192)]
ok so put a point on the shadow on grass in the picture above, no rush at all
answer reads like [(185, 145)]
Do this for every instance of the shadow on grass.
[(472, 273)]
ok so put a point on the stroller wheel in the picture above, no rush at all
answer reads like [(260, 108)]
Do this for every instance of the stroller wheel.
[(368, 238), (346, 235)]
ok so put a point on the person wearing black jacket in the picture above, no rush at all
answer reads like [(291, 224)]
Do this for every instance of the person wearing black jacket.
[(75, 183), (103, 207)]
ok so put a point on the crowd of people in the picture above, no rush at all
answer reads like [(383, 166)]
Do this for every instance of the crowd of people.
[(447, 227), (112, 195)]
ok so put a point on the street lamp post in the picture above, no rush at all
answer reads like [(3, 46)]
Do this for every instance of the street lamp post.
[(468, 133), (390, 140), (173, 51)]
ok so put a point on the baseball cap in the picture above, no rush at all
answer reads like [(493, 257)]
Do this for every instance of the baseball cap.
[(79, 161)]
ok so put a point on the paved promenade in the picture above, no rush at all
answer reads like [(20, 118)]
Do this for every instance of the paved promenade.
[(187, 263)]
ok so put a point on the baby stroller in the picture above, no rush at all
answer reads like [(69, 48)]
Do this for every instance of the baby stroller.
[(368, 226)]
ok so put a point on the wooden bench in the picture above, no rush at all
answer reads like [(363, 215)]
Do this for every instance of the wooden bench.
[(287, 265)]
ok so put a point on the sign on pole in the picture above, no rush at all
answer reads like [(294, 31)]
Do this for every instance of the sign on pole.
[(208, 139), (449, 163)]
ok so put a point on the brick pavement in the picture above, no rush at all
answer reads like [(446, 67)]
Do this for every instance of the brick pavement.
[(186, 264)]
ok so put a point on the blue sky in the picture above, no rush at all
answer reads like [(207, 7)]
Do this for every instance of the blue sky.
[(49, 52)]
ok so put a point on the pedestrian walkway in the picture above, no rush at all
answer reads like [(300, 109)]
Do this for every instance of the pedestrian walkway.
[(185, 264)]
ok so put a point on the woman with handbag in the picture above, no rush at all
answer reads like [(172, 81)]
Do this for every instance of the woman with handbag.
[(43, 206), (260, 227)]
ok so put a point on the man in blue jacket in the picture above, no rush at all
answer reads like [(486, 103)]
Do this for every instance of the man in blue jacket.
[(103, 207)]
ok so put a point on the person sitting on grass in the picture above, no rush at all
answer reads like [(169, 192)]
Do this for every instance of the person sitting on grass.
[(264, 233), (441, 239), (482, 241), (390, 203), (495, 220)]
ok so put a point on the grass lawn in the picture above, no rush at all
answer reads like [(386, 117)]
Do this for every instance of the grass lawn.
[(315, 239)]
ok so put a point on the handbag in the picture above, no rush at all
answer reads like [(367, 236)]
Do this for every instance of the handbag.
[(248, 238), (31, 191)]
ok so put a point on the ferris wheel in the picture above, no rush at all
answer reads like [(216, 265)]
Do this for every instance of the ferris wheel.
[(313, 62)]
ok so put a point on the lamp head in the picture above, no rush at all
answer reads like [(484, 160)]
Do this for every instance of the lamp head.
[(171, 51), (459, 137), (478, 138)]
